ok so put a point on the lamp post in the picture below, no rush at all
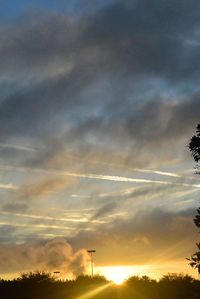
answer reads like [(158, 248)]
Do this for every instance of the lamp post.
[(56, 274), (91, 251)]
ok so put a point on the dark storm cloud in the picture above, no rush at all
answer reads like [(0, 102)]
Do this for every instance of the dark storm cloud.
[(36, 44), (155, 124), (29, 111), (139, 36), (155, 120), (158, 121), (126, 40)]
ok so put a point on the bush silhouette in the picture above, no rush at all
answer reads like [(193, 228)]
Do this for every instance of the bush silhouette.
[(42, 285), (36, 277)]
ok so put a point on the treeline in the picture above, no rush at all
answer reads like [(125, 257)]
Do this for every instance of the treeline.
[(41, 285)]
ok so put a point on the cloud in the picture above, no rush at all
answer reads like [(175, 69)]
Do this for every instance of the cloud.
[(84, 100), (18, 147), (8, 186), (43, 187), (15, 207), (37, 226), (105, 210), (170, 117), (97, 93), (31, 216), (141, 237), (73, 54), (49, 184), (47, 255)]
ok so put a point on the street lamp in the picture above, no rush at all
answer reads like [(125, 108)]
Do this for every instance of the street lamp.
[(91, 251), (56, 273)]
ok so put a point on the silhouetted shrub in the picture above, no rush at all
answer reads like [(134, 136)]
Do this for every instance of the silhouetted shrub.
[(36, 277), (177, 286), (42, 285), (87, 279)]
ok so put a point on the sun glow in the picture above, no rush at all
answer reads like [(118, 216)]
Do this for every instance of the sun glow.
[(117, 274), (118, 278)]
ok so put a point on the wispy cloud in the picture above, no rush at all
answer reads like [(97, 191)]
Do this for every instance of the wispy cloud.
[(9, 186), (98, 176), (123, 166), (65, 219), (164, 173), (38, 226), (18, 147)]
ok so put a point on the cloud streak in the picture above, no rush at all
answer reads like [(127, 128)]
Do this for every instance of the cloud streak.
[(99, 176), (9, 187), (46, 217), (18, 147), (37, 226)]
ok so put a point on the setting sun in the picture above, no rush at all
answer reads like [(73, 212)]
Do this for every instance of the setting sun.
[(118, 278), (117, 274)]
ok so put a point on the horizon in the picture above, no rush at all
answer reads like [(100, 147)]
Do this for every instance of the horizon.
[(118, 274)]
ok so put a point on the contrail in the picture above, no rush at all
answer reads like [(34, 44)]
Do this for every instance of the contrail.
[(8, 186), (39, 226), (158, 172), (18, 147), (153, 171), (98, 176), (127, 179), (72, 220), (164, 173), (45, 217)]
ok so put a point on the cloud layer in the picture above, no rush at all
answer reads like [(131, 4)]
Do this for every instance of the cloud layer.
[(97, 107)]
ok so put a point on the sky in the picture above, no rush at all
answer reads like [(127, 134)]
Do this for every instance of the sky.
[(98, 102)]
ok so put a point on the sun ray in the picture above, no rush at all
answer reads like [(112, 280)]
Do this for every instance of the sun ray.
[(93, 293)]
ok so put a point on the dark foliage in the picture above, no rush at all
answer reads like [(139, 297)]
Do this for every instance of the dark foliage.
[(178, 287), (194, 146), (41, 285), (197, 218), (195, 259)]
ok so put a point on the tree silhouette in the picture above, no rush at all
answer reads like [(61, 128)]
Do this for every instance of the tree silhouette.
[(36, 277), (197, 218), (195, 259), (42, 285), (194, 147)]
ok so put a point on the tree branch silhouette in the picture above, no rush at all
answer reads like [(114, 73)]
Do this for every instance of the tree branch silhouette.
[(194, 146)]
